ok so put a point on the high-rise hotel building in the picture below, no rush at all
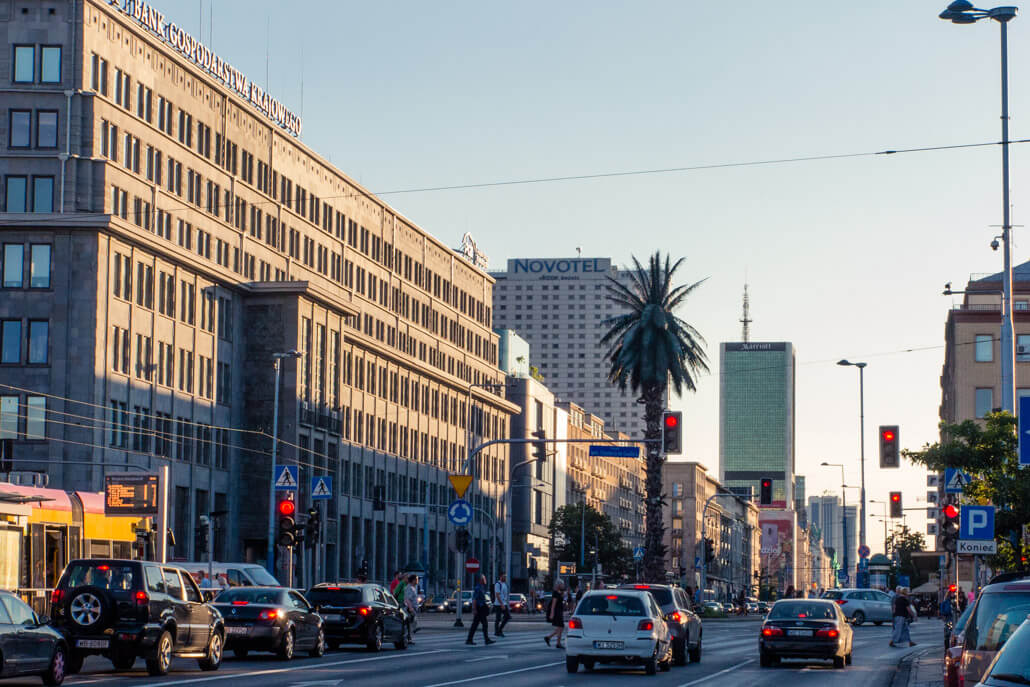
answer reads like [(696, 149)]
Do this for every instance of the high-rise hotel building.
[(164, 234)]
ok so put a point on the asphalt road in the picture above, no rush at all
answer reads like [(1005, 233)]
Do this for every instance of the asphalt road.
[(440, 658)]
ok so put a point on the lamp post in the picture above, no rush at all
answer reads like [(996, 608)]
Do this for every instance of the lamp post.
[(861, 441), (508, 513), (963, 12), (277, 359)]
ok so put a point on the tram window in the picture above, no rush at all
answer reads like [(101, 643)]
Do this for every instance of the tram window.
[(155, 582)]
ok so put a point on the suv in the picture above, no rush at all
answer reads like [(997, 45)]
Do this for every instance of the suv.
[(124, 609), (861, 605), (999, 610), (684, 625)]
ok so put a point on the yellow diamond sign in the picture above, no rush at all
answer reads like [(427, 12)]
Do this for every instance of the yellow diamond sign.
[(460, 483)]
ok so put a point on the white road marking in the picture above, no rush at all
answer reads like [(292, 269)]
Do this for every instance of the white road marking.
[(484, 677), (721, 672), (485, 658)]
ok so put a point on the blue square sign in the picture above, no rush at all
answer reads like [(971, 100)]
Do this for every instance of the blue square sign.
[(1024, 430), (977, 523)]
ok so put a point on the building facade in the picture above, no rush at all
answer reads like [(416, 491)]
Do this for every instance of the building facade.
[(165, 233), (826, 514)]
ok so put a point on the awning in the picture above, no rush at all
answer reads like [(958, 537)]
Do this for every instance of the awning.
[(926, 588)]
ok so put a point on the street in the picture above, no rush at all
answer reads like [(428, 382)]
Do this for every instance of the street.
[(440, 658)]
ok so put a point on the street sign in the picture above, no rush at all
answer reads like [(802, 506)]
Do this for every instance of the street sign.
[(566, 568), (460, 512), (638, 553), (977, 547), (955, 481), (286, 477), (863, 551), (322, 487), (472, 565), (842, 575), (904, 581), (977, 523), (131, 493), (460, 483), (1024, 430), (863, 564), (609, 451)]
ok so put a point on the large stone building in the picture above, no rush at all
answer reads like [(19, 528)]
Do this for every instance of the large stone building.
[(165, 233)]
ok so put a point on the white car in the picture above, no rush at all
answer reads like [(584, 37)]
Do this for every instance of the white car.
[(623, 627)]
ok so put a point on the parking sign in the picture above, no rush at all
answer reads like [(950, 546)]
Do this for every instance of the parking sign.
[(977, 523)]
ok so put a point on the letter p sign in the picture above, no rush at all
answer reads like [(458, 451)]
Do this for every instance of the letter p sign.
[(977, 523)]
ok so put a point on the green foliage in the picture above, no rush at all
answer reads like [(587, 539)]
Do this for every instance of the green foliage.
[(613, 554), (904, 540)]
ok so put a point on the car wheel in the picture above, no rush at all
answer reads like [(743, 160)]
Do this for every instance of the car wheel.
[(402, 643), (213, 660), (73, 663), (878, 623), (123, 660), (588, 664), (89, 609), (160, 660), (651, 664), (838, 662), (318, 650), (695, 651), (287, 645), (241, 652), (54, 674), (375, 642), (679, 651), (857, 618), (333, 645), (666, 665), (572, 663)]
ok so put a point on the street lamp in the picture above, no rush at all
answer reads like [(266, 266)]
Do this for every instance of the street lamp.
[(277, 359), (861, 439), (963, 12)]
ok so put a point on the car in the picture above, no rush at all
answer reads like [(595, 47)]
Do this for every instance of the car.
[(1011, 666), (235, 574), (999, 610), (623, 627), (517, 603), (684, 624), (712, 609), (955, 643), (805, 628), (28, 646), (125, 609), (860, 605), (763, 607), (270, 619), (360, 613), (466, 602)]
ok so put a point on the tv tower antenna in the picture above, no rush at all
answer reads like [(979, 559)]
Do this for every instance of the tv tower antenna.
[(746, 320)]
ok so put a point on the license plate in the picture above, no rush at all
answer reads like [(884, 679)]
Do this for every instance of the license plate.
[(607, 645), (799, 633), (335, 617), (236, 630), (92, 643)]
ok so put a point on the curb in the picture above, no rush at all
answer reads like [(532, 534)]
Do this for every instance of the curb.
[(903, 671)]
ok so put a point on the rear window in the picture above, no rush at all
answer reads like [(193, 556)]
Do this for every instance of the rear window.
[(249, 595), (661, 595), (996, 617), (800, 609), (611, 604), (1011, 664), (338, 597), (833, 594), (110, 576)]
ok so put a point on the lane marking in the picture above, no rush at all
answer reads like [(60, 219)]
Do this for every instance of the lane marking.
[(721, 672), (485, 658), (484, 677)]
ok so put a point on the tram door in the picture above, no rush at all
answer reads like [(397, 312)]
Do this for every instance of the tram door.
[(49, 547)]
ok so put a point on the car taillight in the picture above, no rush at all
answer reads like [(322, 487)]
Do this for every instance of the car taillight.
[(772, 631), (364, 610), (676, 617), (841, 602), (268, 615), (240, 602), (827, 632), (56, 596), (575, 623), (645, 626), (142, 598)]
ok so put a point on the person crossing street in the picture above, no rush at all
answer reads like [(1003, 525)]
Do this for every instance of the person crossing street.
[(502, 614), (481, 612)]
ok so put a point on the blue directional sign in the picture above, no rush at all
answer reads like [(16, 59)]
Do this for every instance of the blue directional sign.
[(862, 580), (904, 581), (286, 477), (863, 564), (322, 487), (606, 451), (976, 523), (955, 480), (842, 575), (1024, 430), (460, 512), (638, 553)]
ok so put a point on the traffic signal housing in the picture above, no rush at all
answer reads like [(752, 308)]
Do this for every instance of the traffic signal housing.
[(889, 455), (539, 447), (895, 501), (462, 539), (672, 432), (287, 511), (709, 550), (313, 527), (948, 528), (765, 491)]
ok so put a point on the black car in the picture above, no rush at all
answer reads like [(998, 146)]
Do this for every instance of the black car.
[(360, 614), (270, 619), (684, 624), (809, 628), (27, 645), (124, 609)]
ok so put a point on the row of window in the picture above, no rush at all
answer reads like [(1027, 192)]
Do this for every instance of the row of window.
[(181, 438), (29, 194), (983, 349), (15, 346), (37, 64), (13, 267), (22, 124), (16, 414)]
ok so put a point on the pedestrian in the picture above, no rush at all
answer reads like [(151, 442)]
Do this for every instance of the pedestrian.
[(502, 614), (398, 589), (395, 581), (532, 600), (904, 614), (223, 581), (481, 612), (946, 609), (411, 604), (205, 581), (556, 614)]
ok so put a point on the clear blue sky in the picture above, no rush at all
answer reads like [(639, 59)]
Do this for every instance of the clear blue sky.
[(845, 258)]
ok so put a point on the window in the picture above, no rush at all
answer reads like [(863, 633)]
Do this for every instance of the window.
[(1023, 347), (50, 66), (10, 341), (39, 341), (46, 129), (984, 348), (8, 417), (20, 130), (13, 265), (39, 266), (984, 401), (24, 63), (17, 188), (35, 417), (42, 194)]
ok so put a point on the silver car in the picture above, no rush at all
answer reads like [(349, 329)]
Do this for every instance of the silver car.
[(862, 605)]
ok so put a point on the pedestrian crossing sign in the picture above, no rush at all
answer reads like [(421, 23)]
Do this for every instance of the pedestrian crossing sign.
[(955, 481), (286, 477), (322, 487)]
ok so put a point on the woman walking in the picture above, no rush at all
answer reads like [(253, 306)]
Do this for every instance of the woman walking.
[(904, 614), (556, 614)]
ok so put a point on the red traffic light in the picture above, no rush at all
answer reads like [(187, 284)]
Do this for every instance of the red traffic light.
[(950, 512), (888, 435), (952, 587), (895, 496), (287, 507), (671, 421), (766, 483)]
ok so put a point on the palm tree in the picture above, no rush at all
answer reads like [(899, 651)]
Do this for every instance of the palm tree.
[(649, 347)]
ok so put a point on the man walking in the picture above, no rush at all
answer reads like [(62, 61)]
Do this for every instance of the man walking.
[(481, 611), (502, 614), (904, 614)]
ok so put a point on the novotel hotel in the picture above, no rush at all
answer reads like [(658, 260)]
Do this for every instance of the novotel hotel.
[(164, 235)]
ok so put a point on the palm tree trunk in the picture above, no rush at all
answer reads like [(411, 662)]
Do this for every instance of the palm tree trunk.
[(654, 536)]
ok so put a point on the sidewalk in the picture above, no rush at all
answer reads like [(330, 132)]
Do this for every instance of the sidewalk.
[(927, 671)]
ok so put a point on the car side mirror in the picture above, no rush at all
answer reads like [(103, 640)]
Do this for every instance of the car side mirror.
[(43, 620)]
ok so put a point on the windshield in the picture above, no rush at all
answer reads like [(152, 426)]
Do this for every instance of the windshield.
[(611, 604), (996, 617), (261, 577), (801, 609), (112, 577), (250, 595), (1013, 661), (339, 596)]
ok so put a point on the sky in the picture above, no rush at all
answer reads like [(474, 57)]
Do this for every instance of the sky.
[(846, 258)]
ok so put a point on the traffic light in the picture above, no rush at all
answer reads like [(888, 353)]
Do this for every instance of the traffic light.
[(896, 510), (379, 497), (709, 550), (539, 447), (948, 529), (672, 432), (462, 538), (765, 492), (287, 510), (889, 447), (363, 570), (952, 588), (313, 527)]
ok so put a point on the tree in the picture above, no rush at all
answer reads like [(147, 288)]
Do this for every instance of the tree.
[(904, 541), (649, 347), (987, 452), (613, 554)]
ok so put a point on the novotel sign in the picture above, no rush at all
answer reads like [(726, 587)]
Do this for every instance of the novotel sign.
[(202, 56), (559, 266)]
